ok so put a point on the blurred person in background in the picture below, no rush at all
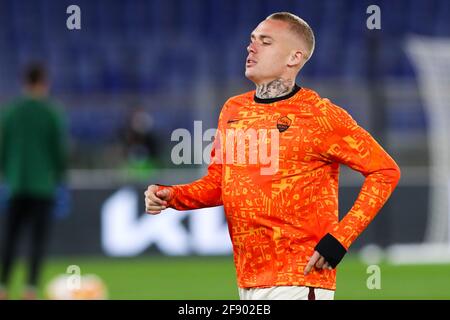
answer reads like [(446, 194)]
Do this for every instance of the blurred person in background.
[(140, 143), (284, 226), (33, 165)]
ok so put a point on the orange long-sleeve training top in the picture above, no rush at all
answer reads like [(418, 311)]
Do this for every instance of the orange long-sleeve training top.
[(280, 211)]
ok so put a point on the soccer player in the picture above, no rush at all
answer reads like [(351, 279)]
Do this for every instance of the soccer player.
[(32, 164), (283, 223)]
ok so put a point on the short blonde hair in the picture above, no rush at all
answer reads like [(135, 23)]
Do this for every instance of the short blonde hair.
[(299, 27)]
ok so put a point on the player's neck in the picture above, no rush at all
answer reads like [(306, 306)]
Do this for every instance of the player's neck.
[(275, 88), (36, 92)]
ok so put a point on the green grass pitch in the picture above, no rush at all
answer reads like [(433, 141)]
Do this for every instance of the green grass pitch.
[(180, 278)]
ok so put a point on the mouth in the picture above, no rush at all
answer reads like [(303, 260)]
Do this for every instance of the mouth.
[(250, 62)]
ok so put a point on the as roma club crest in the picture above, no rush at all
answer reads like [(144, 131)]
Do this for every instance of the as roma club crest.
[(283, 124)]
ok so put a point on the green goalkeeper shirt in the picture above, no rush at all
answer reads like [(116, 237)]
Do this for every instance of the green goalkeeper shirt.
[(32, 147)]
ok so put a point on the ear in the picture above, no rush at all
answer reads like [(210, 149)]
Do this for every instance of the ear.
[(296, 58)]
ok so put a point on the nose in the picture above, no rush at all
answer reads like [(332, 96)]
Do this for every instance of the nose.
[(251, 48)]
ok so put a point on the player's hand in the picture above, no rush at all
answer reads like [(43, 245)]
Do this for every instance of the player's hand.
[(155, 199), (318, 261)]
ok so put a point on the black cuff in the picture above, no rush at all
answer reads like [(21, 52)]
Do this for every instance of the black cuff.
[(331, 249)]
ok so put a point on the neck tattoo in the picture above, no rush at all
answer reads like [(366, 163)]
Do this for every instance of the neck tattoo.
[(274, 89)]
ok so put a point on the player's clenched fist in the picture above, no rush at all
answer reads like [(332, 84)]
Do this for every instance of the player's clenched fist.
[(156, 199)]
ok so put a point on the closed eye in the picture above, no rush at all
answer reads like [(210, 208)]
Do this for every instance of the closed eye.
[(262, 39), (263, 43)]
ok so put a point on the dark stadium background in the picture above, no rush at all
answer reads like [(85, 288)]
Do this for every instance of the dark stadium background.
[(180, 60)]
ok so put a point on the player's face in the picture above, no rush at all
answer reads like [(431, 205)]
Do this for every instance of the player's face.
[(268, 51)]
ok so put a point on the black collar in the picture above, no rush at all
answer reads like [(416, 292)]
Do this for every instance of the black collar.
[(272, 100)]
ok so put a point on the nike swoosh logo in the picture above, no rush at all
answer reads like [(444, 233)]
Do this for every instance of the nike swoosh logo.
[(240, 119)]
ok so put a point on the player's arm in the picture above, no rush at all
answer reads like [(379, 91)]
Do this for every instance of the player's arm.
[(202, 193), (345, 142), (59, 145), (2, 142)]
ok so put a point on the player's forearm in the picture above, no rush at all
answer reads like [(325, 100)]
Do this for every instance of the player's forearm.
[(203, 193), (374, 193), (376, 190)]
